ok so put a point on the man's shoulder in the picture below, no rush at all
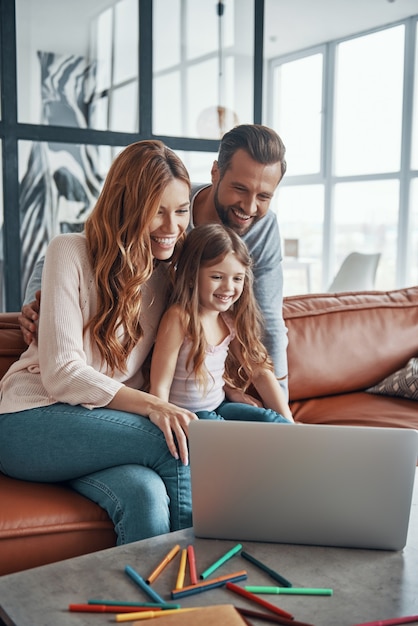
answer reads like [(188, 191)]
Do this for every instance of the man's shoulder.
[(196, 187), (265, 229)]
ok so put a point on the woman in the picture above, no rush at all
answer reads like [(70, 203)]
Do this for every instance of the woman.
[(72, 408)]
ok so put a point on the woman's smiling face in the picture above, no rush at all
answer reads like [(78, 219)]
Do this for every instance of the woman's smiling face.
[(171, 220)]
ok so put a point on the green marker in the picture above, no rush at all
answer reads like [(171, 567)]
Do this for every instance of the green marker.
[(221, 561), (297, 591)]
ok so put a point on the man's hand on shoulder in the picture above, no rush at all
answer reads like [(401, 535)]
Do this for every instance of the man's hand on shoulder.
[(28, 318)]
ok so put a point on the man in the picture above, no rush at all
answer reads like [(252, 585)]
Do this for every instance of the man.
[(251, 163)]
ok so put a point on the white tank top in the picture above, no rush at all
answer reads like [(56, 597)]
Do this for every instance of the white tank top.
[(185, 391)]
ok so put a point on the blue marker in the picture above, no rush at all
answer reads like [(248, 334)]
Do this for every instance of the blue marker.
[(141, 583)]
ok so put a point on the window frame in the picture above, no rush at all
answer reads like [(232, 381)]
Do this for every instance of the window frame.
[(326, 176)]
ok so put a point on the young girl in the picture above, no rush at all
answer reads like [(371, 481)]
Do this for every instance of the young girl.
[(73, 407), (213, 321)]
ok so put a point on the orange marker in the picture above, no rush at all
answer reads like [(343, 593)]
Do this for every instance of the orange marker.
[(166, 560), (208, 584)]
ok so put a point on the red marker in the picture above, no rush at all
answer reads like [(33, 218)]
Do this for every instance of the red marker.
[(192, 564), (251, 596), (106, 608)]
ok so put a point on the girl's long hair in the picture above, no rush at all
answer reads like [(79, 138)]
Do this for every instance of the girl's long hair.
[(119, 245), (205, 246)]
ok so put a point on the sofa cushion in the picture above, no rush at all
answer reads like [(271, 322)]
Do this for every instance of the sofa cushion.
[(44, 523), (402, 383), (357, 409), (340, 343)]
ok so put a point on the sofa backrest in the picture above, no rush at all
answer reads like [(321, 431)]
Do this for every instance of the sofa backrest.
[(348, 341), (337, 342)]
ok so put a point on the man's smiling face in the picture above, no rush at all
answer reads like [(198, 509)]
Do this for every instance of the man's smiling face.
[(243, 195)]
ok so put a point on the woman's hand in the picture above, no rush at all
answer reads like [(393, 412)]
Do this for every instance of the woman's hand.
[(174, 422)]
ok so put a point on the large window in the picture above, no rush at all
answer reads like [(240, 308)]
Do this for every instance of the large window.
[(345, 113), (203, 66), (296, 111), (77, 63), (84, 79)]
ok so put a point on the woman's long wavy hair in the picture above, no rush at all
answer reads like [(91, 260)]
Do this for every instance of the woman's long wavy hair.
[(119, 245), (206, 246)]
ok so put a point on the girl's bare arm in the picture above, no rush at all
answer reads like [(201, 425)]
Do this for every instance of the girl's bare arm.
[(267, 386), (170, 337)]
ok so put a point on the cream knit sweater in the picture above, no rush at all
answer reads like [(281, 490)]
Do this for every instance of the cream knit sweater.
[(63, 366)]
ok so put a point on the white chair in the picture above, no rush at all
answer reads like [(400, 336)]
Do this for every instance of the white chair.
[(357, 273)]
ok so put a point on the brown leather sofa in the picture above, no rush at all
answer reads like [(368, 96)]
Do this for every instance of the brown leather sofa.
[(339, 345), (43, 523), (342, 344)]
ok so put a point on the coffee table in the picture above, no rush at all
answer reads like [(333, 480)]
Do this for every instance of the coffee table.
[(368, 584)]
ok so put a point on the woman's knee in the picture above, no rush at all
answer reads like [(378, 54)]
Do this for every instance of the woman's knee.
[(134, 497)]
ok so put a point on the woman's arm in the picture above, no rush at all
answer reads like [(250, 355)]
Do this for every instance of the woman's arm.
[(169, 418), (170, 337), (71, 369)]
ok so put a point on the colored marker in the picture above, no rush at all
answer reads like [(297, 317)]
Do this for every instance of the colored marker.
[(166, 560), (301, 591), (270, 618), (192, 564), (128, 617), (182, 569), (221, 561), (277, 577), (105, 608), (133, 605), (208, 584), (250, 596), (141, 583), (392, 622)]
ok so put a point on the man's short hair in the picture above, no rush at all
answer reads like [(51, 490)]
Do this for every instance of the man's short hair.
[(261, 143)]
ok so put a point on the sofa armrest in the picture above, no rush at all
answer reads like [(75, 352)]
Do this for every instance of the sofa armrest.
[(11, 341)]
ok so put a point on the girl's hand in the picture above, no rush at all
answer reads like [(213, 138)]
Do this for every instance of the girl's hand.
[(174, 421)]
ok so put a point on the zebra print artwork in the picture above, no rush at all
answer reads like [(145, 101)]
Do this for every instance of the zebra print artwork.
[(62, 181)]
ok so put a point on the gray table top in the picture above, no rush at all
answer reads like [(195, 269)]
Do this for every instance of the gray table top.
[(368, 584)]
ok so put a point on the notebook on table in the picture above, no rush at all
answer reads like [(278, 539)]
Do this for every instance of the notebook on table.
[(342, 486)]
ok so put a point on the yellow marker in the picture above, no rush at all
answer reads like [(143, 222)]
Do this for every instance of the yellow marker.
[(182, 569), (128, 617)]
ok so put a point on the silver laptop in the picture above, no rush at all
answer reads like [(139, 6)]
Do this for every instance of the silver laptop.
[(345, 486)]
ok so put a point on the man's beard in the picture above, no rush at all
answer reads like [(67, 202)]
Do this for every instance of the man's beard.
[(224, 215)]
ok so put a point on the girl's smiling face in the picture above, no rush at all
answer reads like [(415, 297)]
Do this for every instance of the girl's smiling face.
[(171, 220), (221, 284)]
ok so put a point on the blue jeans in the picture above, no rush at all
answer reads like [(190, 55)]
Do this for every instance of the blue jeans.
[(119, 460), (244, 412)]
